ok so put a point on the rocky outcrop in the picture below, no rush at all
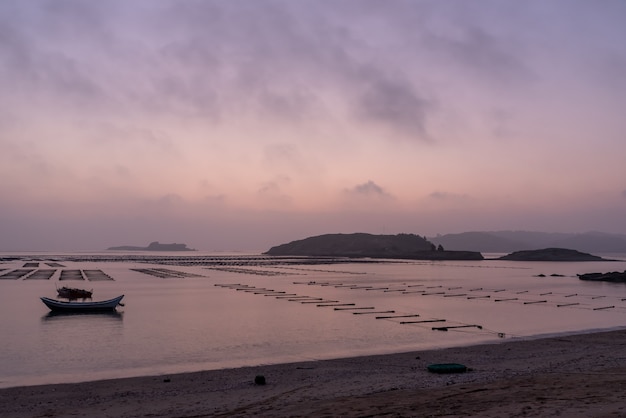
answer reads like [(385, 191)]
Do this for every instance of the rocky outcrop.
[(551, 254), (401, 246), (613, 276), (154, 246)]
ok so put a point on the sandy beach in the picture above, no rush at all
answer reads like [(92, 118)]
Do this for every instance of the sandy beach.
[(571, 376)]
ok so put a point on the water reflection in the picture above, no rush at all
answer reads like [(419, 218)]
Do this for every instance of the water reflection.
[(110, 316), (233, 317)]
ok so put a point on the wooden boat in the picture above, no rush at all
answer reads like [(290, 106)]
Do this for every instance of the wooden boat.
[(74, 293), (97, 306)]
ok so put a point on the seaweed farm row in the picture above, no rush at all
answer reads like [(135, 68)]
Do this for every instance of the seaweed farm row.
[(412, 318), (200, 260), (164, 273), (33, 264), (86, 274), (496, 295), (48, 274)]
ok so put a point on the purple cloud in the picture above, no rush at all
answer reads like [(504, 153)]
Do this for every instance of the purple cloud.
[(369, 189)]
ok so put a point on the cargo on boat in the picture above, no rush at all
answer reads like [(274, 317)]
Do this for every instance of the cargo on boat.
[(74, 293)]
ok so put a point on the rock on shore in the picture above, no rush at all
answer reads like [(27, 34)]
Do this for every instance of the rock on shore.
[(613, 276)]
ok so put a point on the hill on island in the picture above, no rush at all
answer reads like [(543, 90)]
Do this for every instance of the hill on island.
[(153, 246), (551, 254), (402, 246), (509, 241)]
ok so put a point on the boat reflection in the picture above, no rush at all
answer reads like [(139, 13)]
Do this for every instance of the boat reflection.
[(90, 315)]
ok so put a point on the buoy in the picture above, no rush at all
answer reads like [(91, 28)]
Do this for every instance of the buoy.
[(444, 368)]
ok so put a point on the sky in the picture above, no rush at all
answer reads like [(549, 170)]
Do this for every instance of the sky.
[(243, 124)]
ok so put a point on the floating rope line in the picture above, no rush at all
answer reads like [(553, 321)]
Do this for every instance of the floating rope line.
[(349, 309), (382, 314), (422, 321), (456, 326), (404, 288), (369, 313), (318, 301)]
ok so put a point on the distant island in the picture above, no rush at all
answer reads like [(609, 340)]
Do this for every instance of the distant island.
[(551, 254), (400, 246), (509, 241), (154, 246)]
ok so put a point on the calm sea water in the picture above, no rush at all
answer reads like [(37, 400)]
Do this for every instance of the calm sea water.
[(217, 311)]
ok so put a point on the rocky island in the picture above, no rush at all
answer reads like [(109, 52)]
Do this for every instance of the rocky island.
[(400, 246), (154, 246), (551, 254), (612, 276)]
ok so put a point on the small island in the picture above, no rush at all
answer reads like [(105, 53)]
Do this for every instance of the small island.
[(551, 254), (400, 246), (612, 276), (153, 246)]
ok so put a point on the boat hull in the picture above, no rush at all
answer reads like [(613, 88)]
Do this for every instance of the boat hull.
[(98, 306)]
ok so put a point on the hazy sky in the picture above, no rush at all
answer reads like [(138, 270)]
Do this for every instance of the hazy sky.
[(243, 124)]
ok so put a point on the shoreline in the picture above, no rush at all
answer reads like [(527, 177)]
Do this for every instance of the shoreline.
[(574, 375)]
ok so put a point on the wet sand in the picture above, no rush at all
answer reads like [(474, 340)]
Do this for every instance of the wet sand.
[(570, 376)]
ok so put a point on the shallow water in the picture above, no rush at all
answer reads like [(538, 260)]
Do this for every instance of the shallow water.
[(219, 311)]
